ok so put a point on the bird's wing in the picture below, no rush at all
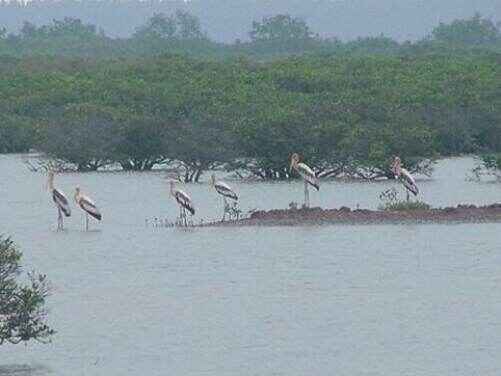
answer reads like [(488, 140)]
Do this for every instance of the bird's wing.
[(61, 201), (308, 174), (182, 195), (409, 182), (224, 189), (185, 201), (88, 200), (90, 207), (407, 175)]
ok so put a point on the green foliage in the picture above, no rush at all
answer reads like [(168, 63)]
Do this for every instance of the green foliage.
[(140, 143), (281, 27), (80, 134), (188, 26), (472, 31), (67, 37), (16, 133), (181, 25), (346, 115), (158, 26), (22, 315), (491, 161), (405, 206)]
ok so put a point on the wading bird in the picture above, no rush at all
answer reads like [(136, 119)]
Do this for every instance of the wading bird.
[(60, 201), (405, 177), (308, 176), (88, 206), (225, 191), (184, 202)]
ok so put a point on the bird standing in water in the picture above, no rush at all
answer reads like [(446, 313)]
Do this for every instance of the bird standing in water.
[(88, 206), (60, 201)]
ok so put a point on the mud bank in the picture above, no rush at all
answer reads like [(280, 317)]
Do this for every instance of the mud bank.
[(344, 215)]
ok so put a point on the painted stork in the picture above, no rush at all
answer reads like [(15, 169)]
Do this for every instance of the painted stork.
[(60, 200), (88, 206), (405, 177), (184, 202), (308, 176), (225, 191)]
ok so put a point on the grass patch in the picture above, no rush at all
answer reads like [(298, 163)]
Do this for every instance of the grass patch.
[(404, 206)]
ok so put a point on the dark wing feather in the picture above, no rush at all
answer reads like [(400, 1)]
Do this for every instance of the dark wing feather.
[(409, 182), (314, 183), (309, 175), (90, 208), (185, 201), (61, 201), (411, 187), (226, 191)]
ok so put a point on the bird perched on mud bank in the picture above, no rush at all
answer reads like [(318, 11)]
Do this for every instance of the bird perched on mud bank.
[(308, 175), (405, 177), (225, 191)]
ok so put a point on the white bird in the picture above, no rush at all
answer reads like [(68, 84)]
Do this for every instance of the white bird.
[(225, 191), (308, 176), (184, 201), (60, 200), (405, 177), (88, 206)]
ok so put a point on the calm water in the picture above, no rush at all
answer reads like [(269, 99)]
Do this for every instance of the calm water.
[(331, 300)]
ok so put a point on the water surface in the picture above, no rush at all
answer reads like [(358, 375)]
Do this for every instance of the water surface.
[(130, 299)]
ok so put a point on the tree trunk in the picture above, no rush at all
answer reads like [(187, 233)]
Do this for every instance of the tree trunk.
[(86, 167), (198, 174)]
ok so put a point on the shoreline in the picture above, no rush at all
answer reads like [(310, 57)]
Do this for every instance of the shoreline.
[(317, 216)]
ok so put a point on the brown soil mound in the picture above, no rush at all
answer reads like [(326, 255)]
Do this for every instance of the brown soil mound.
[(291, 217)]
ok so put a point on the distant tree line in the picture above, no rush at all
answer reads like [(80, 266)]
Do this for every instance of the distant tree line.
[(346, 115), (272, 37), (228, 20)]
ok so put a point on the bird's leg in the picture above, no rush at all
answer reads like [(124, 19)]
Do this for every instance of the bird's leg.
[(306, 195), (185, 218), (237, 209), (408, 197), (59, 219), (225, 209), (86, 222)]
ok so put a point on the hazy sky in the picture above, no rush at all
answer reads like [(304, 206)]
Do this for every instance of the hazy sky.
[(226, 20)]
